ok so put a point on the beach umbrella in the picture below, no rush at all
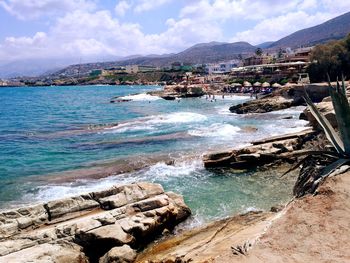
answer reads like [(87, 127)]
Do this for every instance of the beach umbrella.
[(247, 84), (257, 84), (266, 85), (276, 85)]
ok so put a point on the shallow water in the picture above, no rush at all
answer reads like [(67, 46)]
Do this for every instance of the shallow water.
[(51, 131)]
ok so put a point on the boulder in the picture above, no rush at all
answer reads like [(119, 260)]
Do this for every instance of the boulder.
[(123, 254), (263, 105), (326, 108)]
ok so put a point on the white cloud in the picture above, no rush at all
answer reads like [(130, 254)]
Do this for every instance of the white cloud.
[(336, 6), (31, 9), (146, 5), (122, 7), (272, 29), (90, 31)]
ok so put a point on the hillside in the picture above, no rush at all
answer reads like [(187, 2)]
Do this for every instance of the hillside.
[(335, 28), (198, 54)]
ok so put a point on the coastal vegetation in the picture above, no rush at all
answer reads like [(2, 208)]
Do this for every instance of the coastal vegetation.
[(311, 175), (332, 58)]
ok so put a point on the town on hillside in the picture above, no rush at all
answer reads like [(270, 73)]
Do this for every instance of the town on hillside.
[(262, 70)]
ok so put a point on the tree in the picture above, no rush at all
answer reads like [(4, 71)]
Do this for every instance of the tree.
[(332, 58), (258, 52)]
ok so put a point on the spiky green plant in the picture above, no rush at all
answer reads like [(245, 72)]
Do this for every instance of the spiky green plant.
[(310, 177), (342, 113)]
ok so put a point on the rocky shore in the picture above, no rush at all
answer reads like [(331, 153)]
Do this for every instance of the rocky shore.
[(106, 226), (286, 97), (117, 224), (315, 228)]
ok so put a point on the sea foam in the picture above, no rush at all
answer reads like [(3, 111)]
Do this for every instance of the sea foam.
[(140, 97)]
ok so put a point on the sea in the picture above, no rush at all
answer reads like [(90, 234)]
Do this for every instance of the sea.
[(57, 142)]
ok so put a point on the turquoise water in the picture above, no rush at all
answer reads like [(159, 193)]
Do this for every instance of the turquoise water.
[(53, 132)]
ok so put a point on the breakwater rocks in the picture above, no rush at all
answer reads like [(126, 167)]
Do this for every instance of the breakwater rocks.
[(286, 97), (105, 226), (261, 152)]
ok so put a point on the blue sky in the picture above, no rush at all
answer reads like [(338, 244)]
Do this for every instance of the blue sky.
[(112, 28)]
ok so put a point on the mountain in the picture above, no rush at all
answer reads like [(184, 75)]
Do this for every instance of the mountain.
[(265, 44), (197, 54), (333, 29)]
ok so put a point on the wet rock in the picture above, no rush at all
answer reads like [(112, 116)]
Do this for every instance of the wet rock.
[(263, 105), (122, 254), (249, 129), (260, 153)]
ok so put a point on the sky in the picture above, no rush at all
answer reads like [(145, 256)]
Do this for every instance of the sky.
[(41, 29)]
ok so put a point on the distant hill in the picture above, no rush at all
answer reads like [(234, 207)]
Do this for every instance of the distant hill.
[(265, 44), (333, 29), (197, 54)]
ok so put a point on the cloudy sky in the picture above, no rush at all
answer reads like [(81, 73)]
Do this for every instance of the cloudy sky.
[(105, 28)]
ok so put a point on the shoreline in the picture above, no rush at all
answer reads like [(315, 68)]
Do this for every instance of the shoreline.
[(263, 222)]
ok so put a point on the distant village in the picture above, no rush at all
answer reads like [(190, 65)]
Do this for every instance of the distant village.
[(262, 70)]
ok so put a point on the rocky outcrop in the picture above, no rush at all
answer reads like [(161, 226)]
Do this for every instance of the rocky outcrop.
[(263, 105), (286, 97), (315, 228), (326, 108), (260, 153), (105, 226)]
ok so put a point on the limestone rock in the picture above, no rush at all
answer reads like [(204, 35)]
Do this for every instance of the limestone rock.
[(114, 233), (16, 220), (283, 98), (62, 252), (122, 254), (60, 230), (260, 153), (65, 208), (326, 108)]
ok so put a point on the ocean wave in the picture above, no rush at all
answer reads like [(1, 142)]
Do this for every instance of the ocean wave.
[(140, 97), (153, 122), (178, 117), (216, 130), (163, 172), (160, 172), (291, 111)]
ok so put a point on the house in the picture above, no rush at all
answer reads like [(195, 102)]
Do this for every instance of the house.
[(221, 68), (132, 69)]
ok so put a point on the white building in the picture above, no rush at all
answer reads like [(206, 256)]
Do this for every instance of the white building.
[(221, 68)]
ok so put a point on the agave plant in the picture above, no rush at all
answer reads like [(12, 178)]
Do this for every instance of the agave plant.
[(341, 142)]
